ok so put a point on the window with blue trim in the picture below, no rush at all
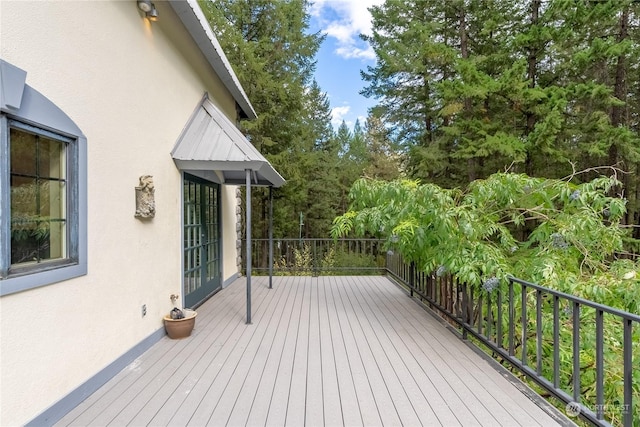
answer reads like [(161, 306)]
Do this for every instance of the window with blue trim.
[(38, 179), (42, 190)]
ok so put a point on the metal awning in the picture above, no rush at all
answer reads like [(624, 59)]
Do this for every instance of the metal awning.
[(211, 142)]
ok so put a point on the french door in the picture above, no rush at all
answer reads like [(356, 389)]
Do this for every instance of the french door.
[(202, 253)]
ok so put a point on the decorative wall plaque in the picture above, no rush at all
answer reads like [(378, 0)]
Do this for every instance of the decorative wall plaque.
[(145, 199)]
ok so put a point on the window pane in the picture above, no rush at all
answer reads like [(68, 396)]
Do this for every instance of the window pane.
[(50, 158), (24, 198), (23, 152), (24, 243), (55, 246), (52, 199), (38, 198)]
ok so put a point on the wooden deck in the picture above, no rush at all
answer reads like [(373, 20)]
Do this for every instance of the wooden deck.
[(321, 351)]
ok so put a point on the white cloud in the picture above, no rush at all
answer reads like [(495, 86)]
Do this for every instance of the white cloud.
[(338, 113), (345, 20), (355, 52)]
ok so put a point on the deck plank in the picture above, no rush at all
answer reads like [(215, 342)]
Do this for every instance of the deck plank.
[(455, 356), (394, 348), (212, 386), (314, 407), (139, 399), (278, 358), (241, 390), (353, 404), (331, 396), (374, 376), (276, 411), (378, 345), (297, 391), (452, 366), (321, 351)]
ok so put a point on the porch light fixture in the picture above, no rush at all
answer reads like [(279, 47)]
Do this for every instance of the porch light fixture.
[(152, 15), (149, 9), (145, 5)]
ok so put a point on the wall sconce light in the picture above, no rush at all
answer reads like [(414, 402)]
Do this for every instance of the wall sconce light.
[(152, 15), (149, 9), (145, 5)]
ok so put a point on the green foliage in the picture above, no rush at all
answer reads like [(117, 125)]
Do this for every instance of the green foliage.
[(329, 260), (472, 87), (562, 235), (553, 232), (301, 265)]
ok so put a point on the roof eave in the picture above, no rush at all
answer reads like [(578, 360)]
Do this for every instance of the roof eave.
[(198, 27)]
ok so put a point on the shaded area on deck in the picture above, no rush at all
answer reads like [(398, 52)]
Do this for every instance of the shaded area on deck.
[(321, 351)]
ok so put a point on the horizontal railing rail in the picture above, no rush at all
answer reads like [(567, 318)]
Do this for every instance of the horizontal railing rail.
[(530, 326), (318, 256)]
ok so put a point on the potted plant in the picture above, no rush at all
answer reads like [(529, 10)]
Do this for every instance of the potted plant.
[(179, 323)]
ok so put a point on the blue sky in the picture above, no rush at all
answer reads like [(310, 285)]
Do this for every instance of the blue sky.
[(343, 55)]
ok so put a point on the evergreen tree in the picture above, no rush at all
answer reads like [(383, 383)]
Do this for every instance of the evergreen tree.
[(384, 160), (472, 87), (273, 56)]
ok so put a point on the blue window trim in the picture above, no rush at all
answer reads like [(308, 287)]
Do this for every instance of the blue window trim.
[(21, 103)]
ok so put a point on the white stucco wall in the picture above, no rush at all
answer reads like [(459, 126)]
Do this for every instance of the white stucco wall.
[(130, 85)]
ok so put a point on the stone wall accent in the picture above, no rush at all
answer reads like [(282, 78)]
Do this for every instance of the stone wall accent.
[(239, 229)]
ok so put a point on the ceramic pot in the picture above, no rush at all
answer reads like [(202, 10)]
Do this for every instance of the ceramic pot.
[(180, 328)]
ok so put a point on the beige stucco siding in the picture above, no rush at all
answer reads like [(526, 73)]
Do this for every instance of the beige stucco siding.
[(130, 85)]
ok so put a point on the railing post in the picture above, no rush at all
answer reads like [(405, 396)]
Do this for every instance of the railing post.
[(270, 237), (499, 337), (465, 311), (480, 313), (599, 364), (523, 346), (628, 373), (538, 332), (512, 316), (556, 341), (314, 262), (576, 351), (412, 281), (489, 327)]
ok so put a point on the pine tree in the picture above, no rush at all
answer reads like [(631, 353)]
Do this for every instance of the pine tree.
[(472, 87), (384, 160), (273, 55)]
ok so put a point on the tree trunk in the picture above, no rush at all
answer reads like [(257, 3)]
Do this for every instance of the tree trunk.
[(617, 114), (464, 52), (532, 74), (619, 117)]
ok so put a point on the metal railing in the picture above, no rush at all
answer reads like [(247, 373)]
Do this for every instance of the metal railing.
[(318, 256), (528, 326)]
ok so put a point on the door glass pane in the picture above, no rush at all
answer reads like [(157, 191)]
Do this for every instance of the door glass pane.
[(201, 240)]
